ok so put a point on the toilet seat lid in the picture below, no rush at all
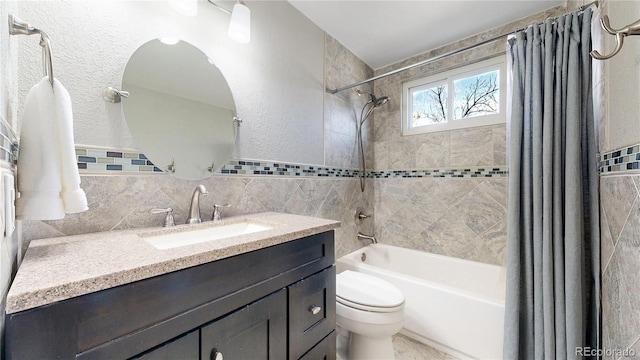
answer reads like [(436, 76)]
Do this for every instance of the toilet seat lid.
[(367, 290)]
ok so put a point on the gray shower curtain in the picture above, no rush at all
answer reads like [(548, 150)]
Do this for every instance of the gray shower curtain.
[(552, 302)]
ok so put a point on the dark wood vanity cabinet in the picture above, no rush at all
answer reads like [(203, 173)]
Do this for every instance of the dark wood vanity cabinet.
[(274, 303)]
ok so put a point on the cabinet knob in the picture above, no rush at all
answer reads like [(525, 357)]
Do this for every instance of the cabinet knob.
[(315, 309), (216, 355)]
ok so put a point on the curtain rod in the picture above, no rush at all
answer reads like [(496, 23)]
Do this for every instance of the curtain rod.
[(438, 57)]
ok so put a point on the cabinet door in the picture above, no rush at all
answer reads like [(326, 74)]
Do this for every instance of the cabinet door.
[(257, 331), (324, 350), (185, 347), (312, 311)]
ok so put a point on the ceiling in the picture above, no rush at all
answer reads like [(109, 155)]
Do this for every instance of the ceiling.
[(383, 32)]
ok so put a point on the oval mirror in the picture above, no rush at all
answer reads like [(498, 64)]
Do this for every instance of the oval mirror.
[(180, 109)]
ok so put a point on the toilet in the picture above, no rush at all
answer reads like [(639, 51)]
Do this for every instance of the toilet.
[(372, 311)]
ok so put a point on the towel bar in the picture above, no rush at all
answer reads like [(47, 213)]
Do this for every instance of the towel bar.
[(20, 27)]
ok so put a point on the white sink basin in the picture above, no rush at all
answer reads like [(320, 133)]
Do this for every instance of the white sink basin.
[(187, 236)]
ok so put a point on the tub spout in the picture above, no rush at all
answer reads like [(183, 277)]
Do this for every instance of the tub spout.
[(367, 237)]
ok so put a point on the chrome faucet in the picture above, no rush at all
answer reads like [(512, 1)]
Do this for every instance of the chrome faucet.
[(194, 209), (367, 237)]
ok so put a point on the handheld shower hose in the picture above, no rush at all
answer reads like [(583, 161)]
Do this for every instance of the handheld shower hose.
[(371, 105)]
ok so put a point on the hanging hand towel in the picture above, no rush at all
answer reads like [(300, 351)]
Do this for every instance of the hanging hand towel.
[(48, 178)]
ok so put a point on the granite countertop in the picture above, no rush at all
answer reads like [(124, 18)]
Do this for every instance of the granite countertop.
[(61, 268)]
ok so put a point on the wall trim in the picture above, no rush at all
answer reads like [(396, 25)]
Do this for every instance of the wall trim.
[(626, 159), (95, 160), (8, 143)]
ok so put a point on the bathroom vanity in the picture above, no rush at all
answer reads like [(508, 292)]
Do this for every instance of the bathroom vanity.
[(264, 295)]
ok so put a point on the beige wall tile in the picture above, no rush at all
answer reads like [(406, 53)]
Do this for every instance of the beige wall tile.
[(433, 150), (479, 211), (472, 147), (620, 204)]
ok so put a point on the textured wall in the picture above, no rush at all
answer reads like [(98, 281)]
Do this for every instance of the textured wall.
[(124, 201), (274, 82), (464, 218), (619, 193)]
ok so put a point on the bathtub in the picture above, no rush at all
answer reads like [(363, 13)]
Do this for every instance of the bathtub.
[(453, 305)]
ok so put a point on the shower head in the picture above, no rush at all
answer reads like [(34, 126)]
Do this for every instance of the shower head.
[(379, 102), (375, 102), (373, 99)]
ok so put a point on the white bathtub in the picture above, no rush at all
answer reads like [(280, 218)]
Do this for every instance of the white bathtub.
[(453, 305)]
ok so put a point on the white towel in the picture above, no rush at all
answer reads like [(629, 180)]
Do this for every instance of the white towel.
[(48, 178)]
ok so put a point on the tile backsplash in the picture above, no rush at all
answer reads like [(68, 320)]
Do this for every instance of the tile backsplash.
[(91, 159), (125, 201)]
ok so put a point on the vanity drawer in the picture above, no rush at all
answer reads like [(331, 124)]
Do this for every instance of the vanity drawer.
[(312, 309)]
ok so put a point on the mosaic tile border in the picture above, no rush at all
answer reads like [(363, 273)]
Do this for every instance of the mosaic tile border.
[(113, 161), (624, 159), (256, 167), (94, 159), (8, 147), (443, 173)]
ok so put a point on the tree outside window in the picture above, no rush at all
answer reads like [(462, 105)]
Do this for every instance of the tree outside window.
[(476, 95)]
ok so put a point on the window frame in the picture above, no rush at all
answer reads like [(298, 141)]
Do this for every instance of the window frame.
[(448, 77)]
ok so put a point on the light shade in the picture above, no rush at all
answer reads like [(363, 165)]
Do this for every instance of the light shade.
[(240, 24), (185, 7)]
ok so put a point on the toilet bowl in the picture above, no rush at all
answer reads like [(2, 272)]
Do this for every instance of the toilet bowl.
[(372, 310)]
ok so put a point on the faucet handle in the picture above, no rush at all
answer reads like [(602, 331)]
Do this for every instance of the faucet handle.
[(168, 221), (217, 212)]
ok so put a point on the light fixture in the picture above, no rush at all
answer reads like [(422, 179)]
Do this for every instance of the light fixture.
[(240, 24), (185, 7)]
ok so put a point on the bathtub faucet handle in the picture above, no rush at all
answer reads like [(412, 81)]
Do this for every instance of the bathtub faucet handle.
[(359, 215)]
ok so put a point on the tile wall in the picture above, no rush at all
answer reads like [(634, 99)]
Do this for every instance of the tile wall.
[(329, 191), (125, 201), (341, 110), (615, 83), (620, 262), (460, 217)]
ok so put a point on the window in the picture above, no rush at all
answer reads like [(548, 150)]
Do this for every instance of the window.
[(473, 95)]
